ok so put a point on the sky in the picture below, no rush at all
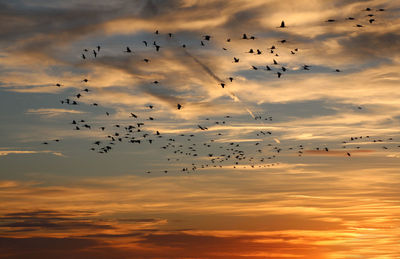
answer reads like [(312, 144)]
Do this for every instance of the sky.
[(234, 160)]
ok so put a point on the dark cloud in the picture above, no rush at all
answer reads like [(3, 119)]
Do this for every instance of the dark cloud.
[(377, 46), (63, 248), (172, 245), (43, 220)]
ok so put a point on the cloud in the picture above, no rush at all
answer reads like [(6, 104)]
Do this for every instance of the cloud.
[(23, 152), (337, 152), (52, 112)]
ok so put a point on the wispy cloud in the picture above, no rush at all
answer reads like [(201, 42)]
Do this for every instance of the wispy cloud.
[(25, 152), (52, 112)]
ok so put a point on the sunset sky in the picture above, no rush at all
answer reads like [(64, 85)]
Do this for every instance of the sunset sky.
[(305, 165)]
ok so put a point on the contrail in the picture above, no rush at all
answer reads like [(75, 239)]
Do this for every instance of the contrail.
[(219, 80), (207, 69), (234, 97)]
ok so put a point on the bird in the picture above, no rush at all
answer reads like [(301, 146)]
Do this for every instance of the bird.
[(207, 37), (202, 128), (128, 50), (236, 60), (179, 106), (145, 43), (282, 25)]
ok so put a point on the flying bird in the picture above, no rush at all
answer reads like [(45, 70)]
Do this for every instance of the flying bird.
[(128, 50)]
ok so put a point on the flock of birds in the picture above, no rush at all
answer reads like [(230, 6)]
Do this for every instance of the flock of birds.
[(206, 148)]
